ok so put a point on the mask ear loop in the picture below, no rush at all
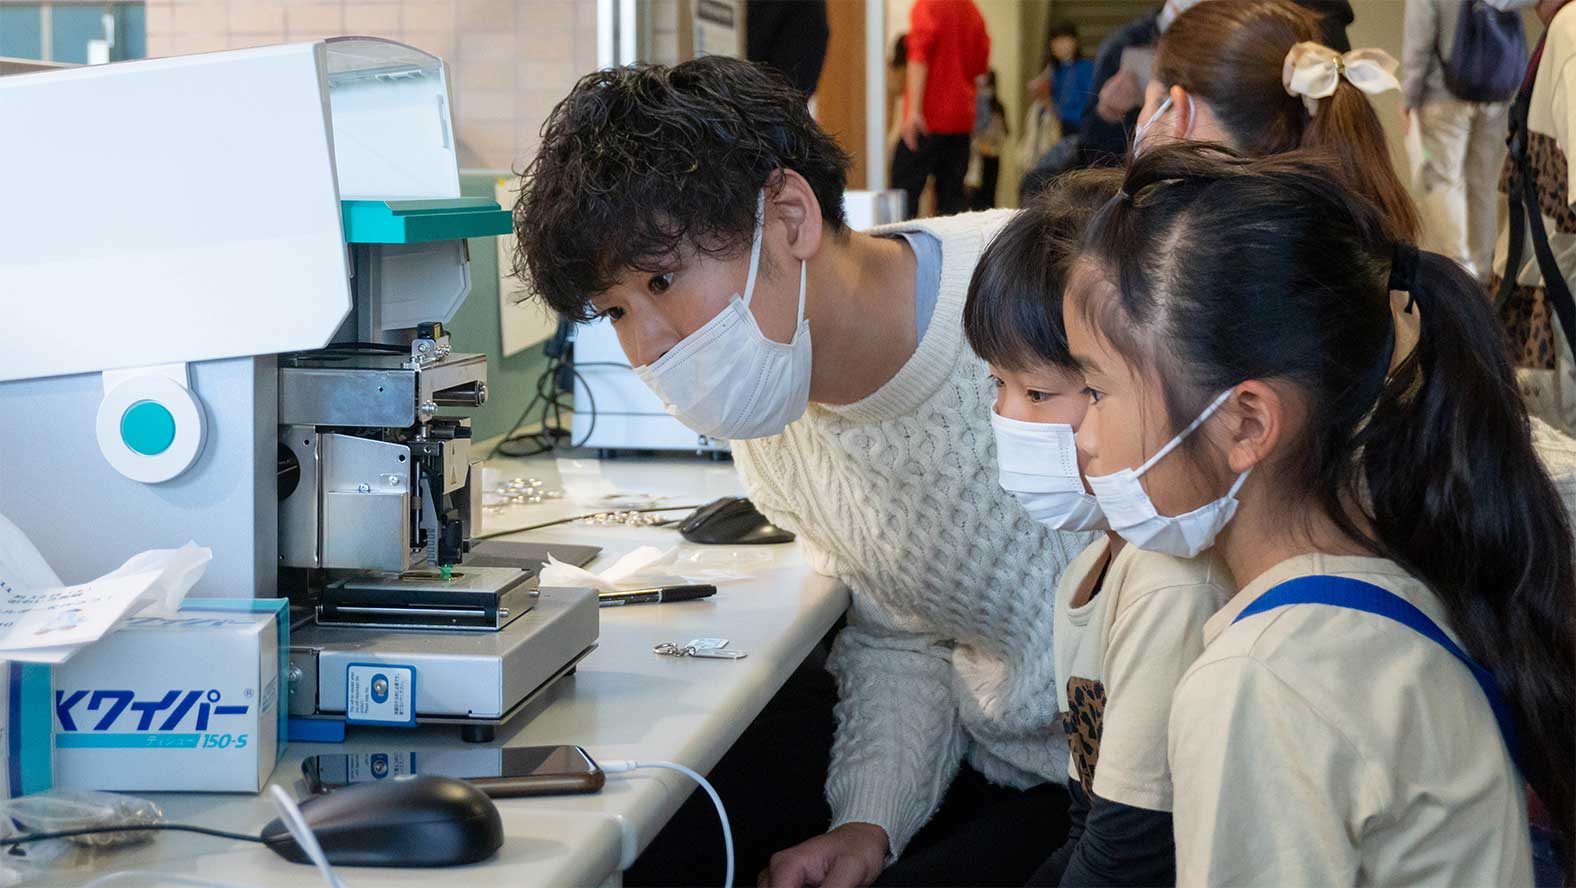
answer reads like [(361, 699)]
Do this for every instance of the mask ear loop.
[(804, 268), (1181, 436), (755, 249)]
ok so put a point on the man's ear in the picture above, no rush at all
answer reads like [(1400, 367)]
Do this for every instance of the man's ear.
[(795, 204)]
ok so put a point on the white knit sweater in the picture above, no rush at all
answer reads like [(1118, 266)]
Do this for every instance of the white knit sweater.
[(947, 654)]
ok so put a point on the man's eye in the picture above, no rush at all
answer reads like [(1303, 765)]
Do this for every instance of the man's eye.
[(660, 283), (612, 314), (996, 381), (1037, 396)]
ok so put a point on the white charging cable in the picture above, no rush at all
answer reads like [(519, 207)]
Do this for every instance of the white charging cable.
[(722, 813), (296, 824)]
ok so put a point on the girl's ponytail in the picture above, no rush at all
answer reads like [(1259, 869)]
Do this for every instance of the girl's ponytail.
[(1347, 128), (1459, 496)]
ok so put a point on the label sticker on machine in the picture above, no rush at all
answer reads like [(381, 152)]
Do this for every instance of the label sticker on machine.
[(380, 694)]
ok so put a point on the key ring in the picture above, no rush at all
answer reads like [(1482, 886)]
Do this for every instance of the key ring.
[(669, 649)]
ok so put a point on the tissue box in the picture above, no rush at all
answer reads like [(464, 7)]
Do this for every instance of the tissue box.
[(26, 762), (189, 703)]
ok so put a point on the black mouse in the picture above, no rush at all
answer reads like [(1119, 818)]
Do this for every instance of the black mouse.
[(404, 821), (732, 521)]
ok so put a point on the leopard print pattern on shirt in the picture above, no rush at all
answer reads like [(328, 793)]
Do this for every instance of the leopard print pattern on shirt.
[(1526, 321), (1083, 722), (1526, 317), (1549, 171)]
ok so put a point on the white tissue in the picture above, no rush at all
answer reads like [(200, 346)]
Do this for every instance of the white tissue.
[(44, 621), (178, 571)]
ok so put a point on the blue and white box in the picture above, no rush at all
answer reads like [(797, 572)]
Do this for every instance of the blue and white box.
[(24, 729), (189, 703)]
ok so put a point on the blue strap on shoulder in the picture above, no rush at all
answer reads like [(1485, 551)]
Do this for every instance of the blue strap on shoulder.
[(1358, 595)]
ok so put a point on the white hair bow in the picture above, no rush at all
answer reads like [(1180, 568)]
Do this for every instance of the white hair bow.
[(1313, 71)]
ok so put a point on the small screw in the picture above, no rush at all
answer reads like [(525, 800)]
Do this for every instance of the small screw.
[(363, 488)]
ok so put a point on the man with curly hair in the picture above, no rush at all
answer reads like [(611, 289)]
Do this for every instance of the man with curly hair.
[(699, 208)]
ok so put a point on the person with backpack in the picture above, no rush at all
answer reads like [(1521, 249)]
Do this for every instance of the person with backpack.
[(1535, 302), (1461, 63)]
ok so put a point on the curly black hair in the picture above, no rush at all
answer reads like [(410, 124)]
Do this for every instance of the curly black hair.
[(643, 164)]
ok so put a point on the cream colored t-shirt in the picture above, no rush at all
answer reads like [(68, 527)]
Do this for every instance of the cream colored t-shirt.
[(1319, 745), (1118, 659)]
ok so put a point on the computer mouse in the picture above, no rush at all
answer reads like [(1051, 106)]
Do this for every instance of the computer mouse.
[(404, 821), (732, 521)]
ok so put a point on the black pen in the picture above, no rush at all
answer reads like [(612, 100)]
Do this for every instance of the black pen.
[(655, 595)]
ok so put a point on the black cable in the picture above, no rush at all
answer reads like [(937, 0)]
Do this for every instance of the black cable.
[(167, 827), (389, 347), (572, 518), (591, 429), (550, 422)]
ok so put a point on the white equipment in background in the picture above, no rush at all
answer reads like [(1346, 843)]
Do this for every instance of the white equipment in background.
[(615, 411)]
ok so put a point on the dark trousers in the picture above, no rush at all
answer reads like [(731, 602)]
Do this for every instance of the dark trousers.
[(984, 197), (946, 157), (773, 784)]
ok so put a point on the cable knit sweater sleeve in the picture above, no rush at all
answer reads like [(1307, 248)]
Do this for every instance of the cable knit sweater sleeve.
[(899, 742)]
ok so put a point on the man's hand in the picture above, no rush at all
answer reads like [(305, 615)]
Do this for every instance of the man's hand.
[(851, 856), (914, 127), (1118, 96)]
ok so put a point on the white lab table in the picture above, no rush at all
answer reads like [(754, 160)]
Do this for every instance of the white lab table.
[(623, 702)]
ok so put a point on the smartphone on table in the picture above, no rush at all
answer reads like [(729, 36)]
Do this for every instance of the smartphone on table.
[(502, 773)]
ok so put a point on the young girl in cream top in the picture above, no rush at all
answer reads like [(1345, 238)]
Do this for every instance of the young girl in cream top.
[(1127, 621), (1397, 661)]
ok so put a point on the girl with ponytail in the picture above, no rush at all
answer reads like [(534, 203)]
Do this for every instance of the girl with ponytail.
[(1399, 658), (1224, 70)]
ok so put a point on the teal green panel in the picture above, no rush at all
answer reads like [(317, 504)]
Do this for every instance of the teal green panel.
[(131, 37), (511, 381), (36, 721), (21, 31), (422, 221), (71, 26)]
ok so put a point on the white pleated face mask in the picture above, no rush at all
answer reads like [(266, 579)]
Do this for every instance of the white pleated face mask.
[(1132, 514), (1038, 465), (728, 380)]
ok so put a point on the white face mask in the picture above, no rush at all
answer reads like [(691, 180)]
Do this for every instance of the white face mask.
[(1132, 514), (1038, 464), (728, 380), (1143, 128)]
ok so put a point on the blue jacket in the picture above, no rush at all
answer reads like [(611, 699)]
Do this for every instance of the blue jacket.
[(1073, 88)]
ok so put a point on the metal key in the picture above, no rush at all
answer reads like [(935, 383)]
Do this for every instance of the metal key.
[(669, 649)]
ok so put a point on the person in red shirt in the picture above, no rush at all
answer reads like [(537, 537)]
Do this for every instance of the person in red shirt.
[(948, 47)]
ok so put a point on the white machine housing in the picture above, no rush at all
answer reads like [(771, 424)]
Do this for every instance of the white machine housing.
[(171, 225)]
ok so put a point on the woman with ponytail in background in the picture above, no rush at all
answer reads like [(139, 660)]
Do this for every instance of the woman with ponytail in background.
[(1398, 660), (1225, 71), (1251, 74)]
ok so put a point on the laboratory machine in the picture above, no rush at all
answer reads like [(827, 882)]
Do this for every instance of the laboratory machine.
[(229, 279)]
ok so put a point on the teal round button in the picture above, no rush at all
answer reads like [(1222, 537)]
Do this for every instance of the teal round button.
[(148, 428)]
